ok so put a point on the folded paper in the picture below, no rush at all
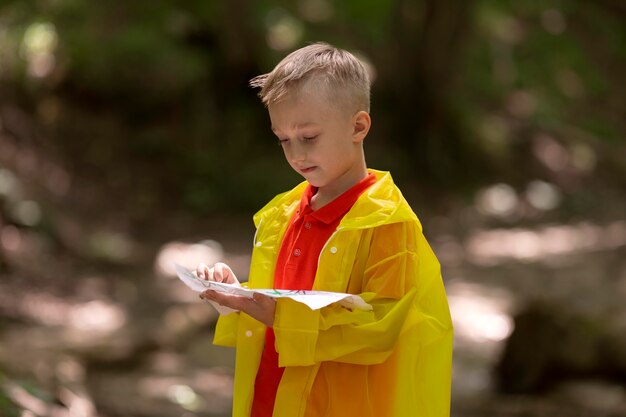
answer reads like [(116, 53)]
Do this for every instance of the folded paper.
[(313, 299)]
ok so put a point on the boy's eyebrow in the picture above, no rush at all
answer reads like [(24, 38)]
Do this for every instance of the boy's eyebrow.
[(298, 126)]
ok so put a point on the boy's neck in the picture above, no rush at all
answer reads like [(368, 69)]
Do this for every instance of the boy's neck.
[(325, 195)]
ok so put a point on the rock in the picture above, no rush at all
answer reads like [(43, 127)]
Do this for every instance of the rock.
[(551, 343)]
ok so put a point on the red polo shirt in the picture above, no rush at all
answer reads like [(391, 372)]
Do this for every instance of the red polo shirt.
[(296, 265)]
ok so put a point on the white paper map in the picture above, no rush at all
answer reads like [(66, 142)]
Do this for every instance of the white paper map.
[(313, 299)]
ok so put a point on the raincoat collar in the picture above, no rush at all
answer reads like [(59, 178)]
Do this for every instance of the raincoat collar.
[(382, 203)]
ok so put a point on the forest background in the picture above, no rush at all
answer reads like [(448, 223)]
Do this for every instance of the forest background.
[(129, 138)]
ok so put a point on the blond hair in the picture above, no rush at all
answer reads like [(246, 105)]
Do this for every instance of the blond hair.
[(339, 72)]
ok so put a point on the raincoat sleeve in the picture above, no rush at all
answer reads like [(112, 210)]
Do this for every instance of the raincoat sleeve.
[(400, 277)]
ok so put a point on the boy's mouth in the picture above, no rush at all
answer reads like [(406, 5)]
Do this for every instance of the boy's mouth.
[(306, 170)]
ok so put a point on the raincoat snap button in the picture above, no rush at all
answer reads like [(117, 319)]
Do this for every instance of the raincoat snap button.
[(297, 252), (248, 333), (333, 250), (307, 225), (258, 244)]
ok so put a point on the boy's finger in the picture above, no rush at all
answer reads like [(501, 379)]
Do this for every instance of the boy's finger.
[(263, 299), (221, 272), (200, 270), (213, 296), (236, 302)]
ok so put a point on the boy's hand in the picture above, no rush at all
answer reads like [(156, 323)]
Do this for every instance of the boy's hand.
[(219, 273), (260, 307)]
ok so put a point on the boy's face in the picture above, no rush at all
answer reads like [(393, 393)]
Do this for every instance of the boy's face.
[(320, 139)]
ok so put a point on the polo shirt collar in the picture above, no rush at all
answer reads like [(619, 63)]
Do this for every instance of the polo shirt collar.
[(337, 208)]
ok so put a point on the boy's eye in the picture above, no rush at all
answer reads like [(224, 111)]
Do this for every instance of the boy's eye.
[(282, 141), (309, 138)]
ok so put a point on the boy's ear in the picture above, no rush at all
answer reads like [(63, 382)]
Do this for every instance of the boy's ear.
[(361, 123)]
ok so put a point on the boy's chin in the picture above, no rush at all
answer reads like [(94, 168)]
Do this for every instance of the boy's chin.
[(312, 181)]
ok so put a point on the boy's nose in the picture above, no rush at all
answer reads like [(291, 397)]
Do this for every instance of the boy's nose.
[(297, 154)]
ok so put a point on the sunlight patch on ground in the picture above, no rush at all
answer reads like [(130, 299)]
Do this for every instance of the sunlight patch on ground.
[(184, 396), (43, 308), (78, 402), (188, 255), (480, 315), (92, 318), (491, 247), (10, 238), (208, 388), (97, 317), (26, 400), (482, 321)]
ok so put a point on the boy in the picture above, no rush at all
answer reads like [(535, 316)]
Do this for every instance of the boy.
[(345, 229)]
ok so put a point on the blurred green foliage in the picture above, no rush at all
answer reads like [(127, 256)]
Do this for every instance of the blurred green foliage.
[(7, 407), (151, 97)]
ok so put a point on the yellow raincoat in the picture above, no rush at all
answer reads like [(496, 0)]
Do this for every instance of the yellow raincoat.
[(390, 362)]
